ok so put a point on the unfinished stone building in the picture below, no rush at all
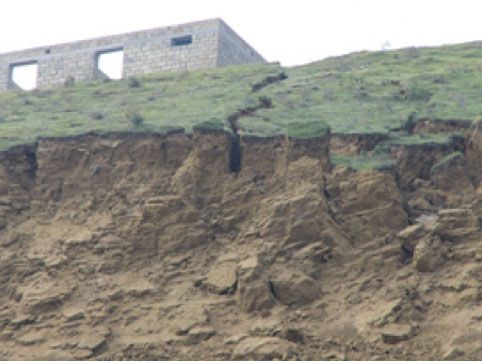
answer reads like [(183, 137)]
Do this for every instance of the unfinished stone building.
[(203, 44)]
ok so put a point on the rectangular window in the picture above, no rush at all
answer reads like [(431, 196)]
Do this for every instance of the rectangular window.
[(182, 40)]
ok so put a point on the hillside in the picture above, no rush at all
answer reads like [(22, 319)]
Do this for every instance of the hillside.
[(330, 211), (361, 93)]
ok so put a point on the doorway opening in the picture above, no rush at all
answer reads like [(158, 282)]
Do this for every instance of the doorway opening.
[(24, 75), (110, 63)]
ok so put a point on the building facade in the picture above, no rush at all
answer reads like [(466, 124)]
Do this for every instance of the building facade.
[(197, 45)]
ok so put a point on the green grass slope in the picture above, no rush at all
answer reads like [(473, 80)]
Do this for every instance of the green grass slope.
[(376, 92), (162, 101), (360, 93)]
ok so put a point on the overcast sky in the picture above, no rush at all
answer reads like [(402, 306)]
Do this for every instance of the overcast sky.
[(293, 32)]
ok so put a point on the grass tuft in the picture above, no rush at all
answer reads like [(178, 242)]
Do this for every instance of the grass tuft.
[(307, 129), (135, 118)]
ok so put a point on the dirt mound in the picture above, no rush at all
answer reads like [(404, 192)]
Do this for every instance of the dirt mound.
[(147, 247)]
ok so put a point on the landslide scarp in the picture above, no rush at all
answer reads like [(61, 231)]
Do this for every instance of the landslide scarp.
[(324, 212), (148, 246)]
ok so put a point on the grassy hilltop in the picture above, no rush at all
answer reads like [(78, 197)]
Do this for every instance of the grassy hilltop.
[(360, 93)]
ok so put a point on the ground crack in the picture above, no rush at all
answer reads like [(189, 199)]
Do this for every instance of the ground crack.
[(268, 81), (262, 102)]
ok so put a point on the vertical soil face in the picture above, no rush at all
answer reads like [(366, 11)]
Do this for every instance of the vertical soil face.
[(96, 168), (181, 247), (17, 178), (473, 154), (18, 166), (235, 155), (415, 161), (355, 143)]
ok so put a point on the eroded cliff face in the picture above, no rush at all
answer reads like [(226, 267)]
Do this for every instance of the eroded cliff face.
[(147, 247)]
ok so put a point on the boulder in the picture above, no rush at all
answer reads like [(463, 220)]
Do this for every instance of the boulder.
[(305, 221), (427, 258), (249, 264), (293, 335), (393, 334), (255, 296), (199, 334), (189, 318), (263, 348), (369, 204), (388, 312), (22, 320), (453, 353), (410, 236), (40, 303), (413, 232), (222, 278), (31, 338), (419, 204), (91, 345), (293, 288), (456, 223), (53, 356), (254, 292), (73, 313), (235, 339)]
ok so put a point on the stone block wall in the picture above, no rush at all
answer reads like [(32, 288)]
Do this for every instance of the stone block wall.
[(213, 44), (232, 49)]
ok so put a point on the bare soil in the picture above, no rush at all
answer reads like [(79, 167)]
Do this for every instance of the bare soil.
[(147, 247)]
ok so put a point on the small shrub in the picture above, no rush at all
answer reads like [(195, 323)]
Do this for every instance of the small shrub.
[(135, 118), (439, 79), (69, 82), (97, 94), (413, 52), (411, 122), (361, 93), (250, 103), (412, 117), (133, 82), (329, 94), (97, 115), (460, 100), (417, 93), (265, 102)]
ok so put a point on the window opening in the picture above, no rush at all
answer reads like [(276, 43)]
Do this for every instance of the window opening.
[(182, 40), (111, 63)]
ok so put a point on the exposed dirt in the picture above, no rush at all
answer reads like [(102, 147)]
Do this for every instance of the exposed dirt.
[(352, 144), (439, 126), (148, 247), (415, 161)]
